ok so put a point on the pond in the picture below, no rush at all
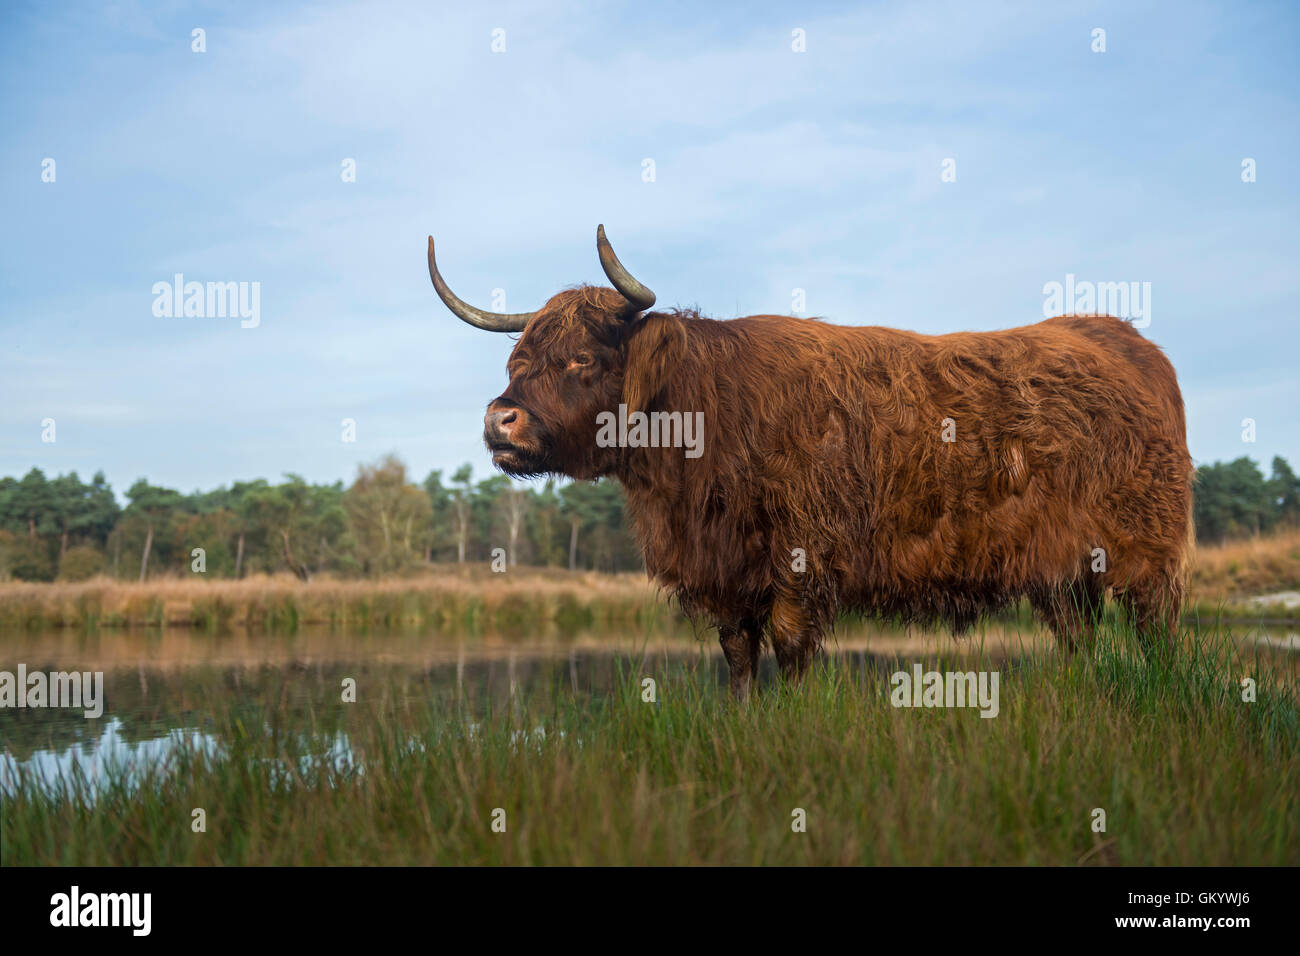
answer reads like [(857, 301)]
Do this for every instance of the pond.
[(165, 689)]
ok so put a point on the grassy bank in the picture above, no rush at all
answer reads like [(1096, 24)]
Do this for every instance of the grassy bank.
[(1186, 772), (466, 598), (1223, 575), (469, 597)]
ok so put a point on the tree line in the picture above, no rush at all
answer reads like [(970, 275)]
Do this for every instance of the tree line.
[(383, 523), (1235, 500)]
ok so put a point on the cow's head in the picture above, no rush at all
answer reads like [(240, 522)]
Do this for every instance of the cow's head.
[(584, 352)]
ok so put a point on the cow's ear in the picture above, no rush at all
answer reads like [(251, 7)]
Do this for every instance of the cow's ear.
[(655, 346)]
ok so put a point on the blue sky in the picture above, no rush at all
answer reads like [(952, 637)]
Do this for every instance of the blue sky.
[(774, 170)]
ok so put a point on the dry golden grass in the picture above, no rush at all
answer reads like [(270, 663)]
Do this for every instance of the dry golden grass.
[(1263, 565), (472, 597), (461, 597)]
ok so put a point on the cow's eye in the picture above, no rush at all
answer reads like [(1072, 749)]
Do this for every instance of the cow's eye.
[(581, 359)]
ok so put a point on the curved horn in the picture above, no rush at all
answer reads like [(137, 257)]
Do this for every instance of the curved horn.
[(635, 293), (491, 321)]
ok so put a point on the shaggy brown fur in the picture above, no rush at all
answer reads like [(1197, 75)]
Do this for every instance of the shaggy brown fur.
[(1065, 437)]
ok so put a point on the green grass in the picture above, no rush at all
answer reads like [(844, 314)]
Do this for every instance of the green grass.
[(1186, 772)]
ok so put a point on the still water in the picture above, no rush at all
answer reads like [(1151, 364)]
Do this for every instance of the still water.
[(169, 689)]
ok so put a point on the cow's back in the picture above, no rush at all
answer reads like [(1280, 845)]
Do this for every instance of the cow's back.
[(917, 475)]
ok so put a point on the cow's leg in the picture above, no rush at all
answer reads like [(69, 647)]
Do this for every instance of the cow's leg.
[(741, 645), (1154, 606), (795, 638), (1071, 611)]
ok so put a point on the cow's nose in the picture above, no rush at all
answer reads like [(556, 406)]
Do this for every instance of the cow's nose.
[(497, 423)]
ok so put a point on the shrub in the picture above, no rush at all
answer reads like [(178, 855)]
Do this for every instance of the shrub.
[(80, 562), (29, 560)]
